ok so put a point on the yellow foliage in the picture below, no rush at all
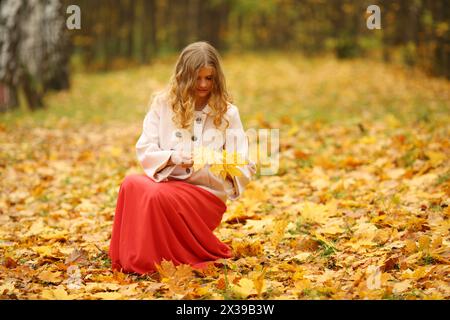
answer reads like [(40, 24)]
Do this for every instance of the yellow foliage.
[(359, 192)]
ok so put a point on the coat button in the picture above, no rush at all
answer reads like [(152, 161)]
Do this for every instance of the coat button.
[(198, 120), (178, 134), (188, 170), (194, 138)]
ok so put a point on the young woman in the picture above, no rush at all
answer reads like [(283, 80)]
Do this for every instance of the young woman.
[(170, 212)]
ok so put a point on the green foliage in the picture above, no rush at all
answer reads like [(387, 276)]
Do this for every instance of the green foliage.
[(347, 47), (409, 54), (443, 178)]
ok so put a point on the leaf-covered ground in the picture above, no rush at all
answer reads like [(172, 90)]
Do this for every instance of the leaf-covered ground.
[(359, 209)]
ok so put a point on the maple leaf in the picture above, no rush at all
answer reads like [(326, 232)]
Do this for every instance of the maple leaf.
[(424, 243), (8, 286), (316, 213), (239, 215), (177, 277), (129, 290), (402, 286), (259, 282), (410, 246), (245, 248), (9, 262), (244, 288), (55, 294), (77, 256), (302, 256), (36, 228), (166, 268), (278, 232), (221, 163), (332, 226), (108, 295), (52, 277)]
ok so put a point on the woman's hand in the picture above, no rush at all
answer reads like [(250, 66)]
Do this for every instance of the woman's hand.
[(179, 157)]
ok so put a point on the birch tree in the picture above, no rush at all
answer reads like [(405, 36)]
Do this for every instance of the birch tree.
[(34, 51)]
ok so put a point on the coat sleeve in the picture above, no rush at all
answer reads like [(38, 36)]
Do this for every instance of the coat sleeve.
[(151, 157), (237, 141)]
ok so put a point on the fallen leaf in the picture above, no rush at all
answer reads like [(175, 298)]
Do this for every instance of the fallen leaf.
[(245, 288), (108, 295), (373, 281), (55, 294), (402, 286), (52, 277)]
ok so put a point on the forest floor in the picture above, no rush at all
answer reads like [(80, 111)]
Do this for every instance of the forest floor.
[(359, 208)]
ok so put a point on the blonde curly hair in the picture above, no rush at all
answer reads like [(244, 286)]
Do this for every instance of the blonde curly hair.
[(181, 89)]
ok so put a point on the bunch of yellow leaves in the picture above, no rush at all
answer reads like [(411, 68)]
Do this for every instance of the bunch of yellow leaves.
[(221, 163)]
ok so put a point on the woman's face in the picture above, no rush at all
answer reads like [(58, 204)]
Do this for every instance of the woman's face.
[(204, 82)]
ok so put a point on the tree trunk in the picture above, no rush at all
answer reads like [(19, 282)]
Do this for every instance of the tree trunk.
[(33, 51), (130, 29), (10, 15), (8, 98)]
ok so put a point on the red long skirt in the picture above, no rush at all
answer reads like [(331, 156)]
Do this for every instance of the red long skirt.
[(171, 220)]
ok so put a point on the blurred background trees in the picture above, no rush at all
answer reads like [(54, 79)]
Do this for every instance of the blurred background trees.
[(414, 32), (118, 33)]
